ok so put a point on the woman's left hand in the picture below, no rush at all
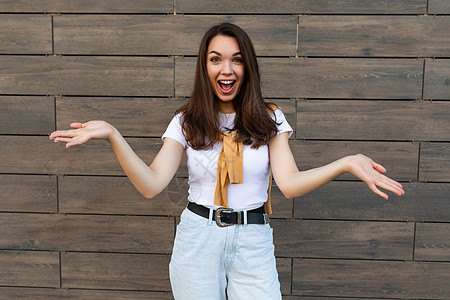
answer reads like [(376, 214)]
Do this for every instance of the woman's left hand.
[(371, 173)]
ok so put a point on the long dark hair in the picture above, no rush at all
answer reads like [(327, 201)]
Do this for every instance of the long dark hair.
[(253, 123)]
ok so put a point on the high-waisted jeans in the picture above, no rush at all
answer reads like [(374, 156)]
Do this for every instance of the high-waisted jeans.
[(211, 262)]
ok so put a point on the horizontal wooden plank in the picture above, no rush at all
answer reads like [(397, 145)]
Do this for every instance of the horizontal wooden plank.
[(115, 271), (78, 294), (39, 155), (141, 117), (27, 115), (309, 6), (325, 77), (355, 201), (284, 274), (438, 7), (32, 269), (112, 195), (400, 159), (432, 242), (437, 84), (434, 162), (26, 34), (343, 239), (373, 120), (86, 75), (167, 34), (391, 36), (86, 233), (86, 6), (28, 193), (378, 279)]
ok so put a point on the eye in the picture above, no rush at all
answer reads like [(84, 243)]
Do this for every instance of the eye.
[(214, 59), (237, 60)]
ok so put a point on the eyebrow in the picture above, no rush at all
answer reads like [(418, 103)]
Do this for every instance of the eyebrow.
[(234, 54)]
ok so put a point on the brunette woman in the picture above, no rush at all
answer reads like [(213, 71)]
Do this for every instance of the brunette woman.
[(234, 141)]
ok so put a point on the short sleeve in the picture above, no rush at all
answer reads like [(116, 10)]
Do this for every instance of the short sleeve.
[(283, 126), (174, 130)]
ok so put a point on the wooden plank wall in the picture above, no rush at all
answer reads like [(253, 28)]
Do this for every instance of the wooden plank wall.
[(366, 76)]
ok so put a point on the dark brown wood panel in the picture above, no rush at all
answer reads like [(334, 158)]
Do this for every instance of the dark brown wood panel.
[(391, 36), (166, 35), (28, 193), (56, 232), (115, 271), (434, 162), (84, 75), (437, 82), (325, 77), (284, 266), (32, 269), (147, 117), (343, 239), (384, 279), (309, 6), (432, 242), (373, 120), (74, 294), (26, 34), (27, 115), (87, 6), (355, 201), (111, 195), (400, 159), (438, 7)]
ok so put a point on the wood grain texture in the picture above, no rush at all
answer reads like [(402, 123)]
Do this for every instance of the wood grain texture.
[(74, 294), (432, 242), (25, 34), (112, 195), (84, 75), (87, 6), (27, 115), (284, 274), (325, 77), (434, 162), (343, 239), (374, 36), (56, 232), (309, 6), (39, 155), (166, 35), (143, 117), (399, 158), (28, 193), (437, 81), (32, 269), (373, 120), (438, 7), (381, 279), (355, 201), (115, 271)]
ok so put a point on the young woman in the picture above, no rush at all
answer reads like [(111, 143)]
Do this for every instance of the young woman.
[(234, 141)]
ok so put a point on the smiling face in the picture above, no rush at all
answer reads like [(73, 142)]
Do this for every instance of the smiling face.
[(225, 70)]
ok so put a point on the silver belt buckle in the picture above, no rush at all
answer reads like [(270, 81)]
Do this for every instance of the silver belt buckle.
[(218, 219)]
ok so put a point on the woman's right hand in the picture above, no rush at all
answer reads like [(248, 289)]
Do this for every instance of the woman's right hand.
[(83, 132)]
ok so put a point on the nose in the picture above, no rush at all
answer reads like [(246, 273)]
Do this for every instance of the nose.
[(227, 68)]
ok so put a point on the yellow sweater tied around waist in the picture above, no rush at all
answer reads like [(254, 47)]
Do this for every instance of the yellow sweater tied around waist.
[(230, 170)]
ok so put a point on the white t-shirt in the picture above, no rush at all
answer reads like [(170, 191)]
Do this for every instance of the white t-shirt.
[(202, 167)]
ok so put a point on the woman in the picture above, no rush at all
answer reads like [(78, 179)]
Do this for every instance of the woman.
[(234, 142)]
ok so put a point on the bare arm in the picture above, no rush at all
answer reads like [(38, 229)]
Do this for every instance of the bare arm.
[(293, 183), (149, 180)]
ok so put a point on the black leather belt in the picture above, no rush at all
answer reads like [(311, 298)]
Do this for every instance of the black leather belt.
[(227, 216)]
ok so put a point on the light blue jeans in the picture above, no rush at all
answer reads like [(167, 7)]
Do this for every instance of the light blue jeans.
[(211, 262)]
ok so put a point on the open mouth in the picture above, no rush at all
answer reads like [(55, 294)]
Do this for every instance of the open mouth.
[(226, 86)]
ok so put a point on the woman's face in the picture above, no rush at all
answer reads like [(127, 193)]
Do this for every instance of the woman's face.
[(225, 69)]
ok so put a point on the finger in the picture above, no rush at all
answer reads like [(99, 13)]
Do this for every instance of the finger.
[(76, 125), (391, 185), (378, 192), (378, 167), (63, 133)]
